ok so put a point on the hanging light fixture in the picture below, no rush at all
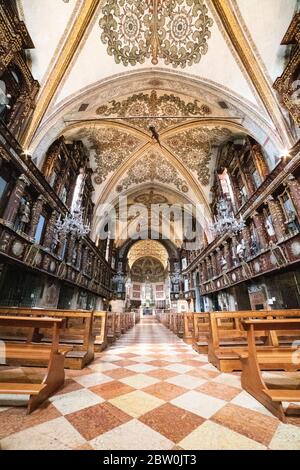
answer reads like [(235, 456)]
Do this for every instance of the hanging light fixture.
[(225, 220), (73, 223)]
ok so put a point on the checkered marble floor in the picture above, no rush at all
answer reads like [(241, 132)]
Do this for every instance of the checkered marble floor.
[(149, 391)]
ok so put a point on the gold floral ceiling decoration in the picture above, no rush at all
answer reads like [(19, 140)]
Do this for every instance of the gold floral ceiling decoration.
[(148, 270), (148, 248), (153, 167), (111, 147), (152, 104), (194, 148), (175, 31)]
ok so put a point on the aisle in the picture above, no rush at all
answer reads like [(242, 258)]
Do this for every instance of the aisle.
[(148, 391)]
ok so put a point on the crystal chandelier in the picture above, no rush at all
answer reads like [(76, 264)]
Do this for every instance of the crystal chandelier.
[(225, 220), (73, 223)]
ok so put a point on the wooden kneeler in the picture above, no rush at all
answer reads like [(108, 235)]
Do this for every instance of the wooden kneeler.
[(16, 354), (272, 359)]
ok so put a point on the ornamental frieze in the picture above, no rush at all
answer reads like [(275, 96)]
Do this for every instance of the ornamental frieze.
[(142, 105), (194, 148), (174, 31), (150, 168)]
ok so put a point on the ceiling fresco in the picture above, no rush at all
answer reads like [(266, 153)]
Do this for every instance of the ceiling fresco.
[(174, 31), (164, 110), (194, 148), (153, 167), (111, 146), (148, 249)]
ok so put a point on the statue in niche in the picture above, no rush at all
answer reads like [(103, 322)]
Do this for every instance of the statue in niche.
[(279, 254), (270, 228), (293, 222), (254, 247), (23, 218), (241, 250), (224, 264), (4, 100)]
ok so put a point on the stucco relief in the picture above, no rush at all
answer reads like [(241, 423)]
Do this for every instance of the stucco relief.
[(194, 148), (175, 31), (153, 167)]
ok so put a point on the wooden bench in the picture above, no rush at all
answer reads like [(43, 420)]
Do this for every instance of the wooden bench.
[(287, 358), (228, 338), (100, 330), (29, 354), (77, 332), (188, 325), (201, 332), (111, 327)]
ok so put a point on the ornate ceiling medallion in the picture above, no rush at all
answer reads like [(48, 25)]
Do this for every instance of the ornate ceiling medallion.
[(175, 31), (194, 148), (152, 104), (153, 167)]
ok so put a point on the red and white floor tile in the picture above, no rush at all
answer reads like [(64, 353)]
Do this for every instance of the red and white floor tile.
[(149, 391)]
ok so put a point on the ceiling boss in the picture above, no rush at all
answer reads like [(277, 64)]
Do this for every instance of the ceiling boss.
[(175, 31)]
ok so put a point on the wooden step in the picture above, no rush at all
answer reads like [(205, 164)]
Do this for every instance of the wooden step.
[(20, 389), (283, 395)]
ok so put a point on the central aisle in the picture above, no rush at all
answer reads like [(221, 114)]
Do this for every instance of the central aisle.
[(148, 391)]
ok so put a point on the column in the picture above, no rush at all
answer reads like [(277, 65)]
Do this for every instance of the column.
[(35, 215), (70, 249), (294, 190), (15, 198), (85, 259), (213, 264), (260, 161), (249, 181), (236, 191), (277, 218), (79, 255), (219, 260), (209, 268), (50, 230), (259, 223), (247, 239), (227, 254)]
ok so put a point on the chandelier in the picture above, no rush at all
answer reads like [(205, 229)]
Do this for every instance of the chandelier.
[(225, 220), (73, 223), (175, 31)]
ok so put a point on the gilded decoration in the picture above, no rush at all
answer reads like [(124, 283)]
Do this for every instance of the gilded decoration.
[(147, 269), (175, 31), (111, 147), (153, 167), (150, 104), (150, 249), (194, 148)]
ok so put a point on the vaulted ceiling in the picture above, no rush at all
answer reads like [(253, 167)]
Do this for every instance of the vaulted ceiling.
[(199, 71)]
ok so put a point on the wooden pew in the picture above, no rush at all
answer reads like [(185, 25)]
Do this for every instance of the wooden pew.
[(201, 332), (253, 360), (111, 327), (180, 325), (100, 330), (188, 335), (227, 337), (30, 354), (77, 332)]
